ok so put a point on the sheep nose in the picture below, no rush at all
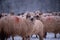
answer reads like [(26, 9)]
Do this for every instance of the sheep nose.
[(32, 19), (37, 16)]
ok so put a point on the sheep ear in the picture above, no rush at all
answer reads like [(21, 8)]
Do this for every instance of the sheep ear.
[(17, 19), (1, 15), (19, 14), (27, 16), (40, 13), (22, 13), (12, 13)]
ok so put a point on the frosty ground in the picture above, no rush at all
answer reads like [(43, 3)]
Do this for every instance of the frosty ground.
[(49, 36)]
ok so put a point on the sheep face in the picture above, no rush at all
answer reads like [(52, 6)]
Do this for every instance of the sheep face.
[(30, 16)]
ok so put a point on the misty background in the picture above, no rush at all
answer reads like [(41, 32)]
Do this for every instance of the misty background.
[(19, 6)]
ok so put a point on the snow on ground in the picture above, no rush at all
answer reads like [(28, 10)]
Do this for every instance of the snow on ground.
[(49, 36)]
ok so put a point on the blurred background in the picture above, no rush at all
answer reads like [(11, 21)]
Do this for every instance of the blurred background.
[(18, 6)]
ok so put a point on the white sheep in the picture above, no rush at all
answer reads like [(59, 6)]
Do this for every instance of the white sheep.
[(12, 25)]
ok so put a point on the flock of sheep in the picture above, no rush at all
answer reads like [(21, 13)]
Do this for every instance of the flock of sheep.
[(29, 23)]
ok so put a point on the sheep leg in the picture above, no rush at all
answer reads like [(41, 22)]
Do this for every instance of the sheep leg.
[(55, 35), (2, 35), (2, 38), (28, 37), (31, 35), (45, 34), (36, 36), (5, 38), (24, 38), (12, 37), (40, 36)]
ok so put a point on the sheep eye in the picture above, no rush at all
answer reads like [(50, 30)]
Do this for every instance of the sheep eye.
[(28, 16), (36, 17)]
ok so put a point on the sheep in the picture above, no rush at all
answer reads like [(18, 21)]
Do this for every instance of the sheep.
[(57, 27), (12, 25), (51, 23), (24, 15), (38, 29), (11, 14), (3, 15), (30, 15), (37, 25), (16, 28), (54, 13), (38, 12), (1, 32)]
